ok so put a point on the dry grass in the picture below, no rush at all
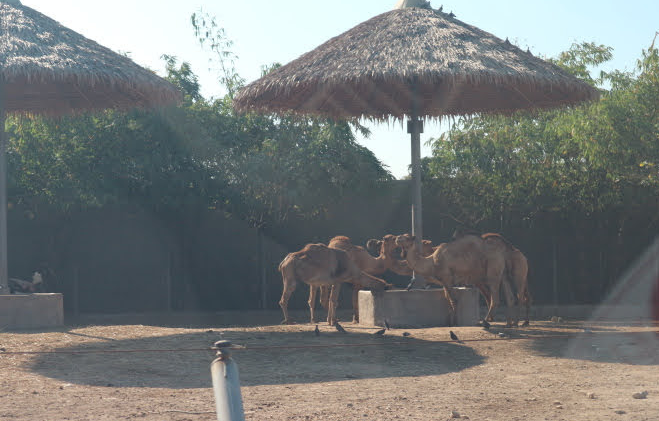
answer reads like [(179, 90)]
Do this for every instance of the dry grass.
[(50, 69), (413, 61)]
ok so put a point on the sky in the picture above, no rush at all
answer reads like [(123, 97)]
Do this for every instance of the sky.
[(266, 31)]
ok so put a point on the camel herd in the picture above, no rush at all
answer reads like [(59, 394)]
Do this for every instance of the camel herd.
[(489, 262)]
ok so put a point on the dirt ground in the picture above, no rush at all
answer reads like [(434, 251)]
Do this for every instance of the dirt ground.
[(549, 371)]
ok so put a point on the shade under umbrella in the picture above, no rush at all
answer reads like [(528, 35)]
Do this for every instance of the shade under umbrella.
[(413, 62), (46, 68)]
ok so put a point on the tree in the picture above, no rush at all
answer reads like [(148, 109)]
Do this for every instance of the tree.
[(583, 159), (286, 164), (258, 168)]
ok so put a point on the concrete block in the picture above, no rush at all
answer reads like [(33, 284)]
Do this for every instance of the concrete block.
[(418, 308), (31, 311)]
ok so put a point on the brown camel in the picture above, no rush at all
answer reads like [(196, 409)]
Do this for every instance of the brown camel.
[(375, 246), (366, 263), (465, 261), (318, 265), (427, 249), (517, 267)]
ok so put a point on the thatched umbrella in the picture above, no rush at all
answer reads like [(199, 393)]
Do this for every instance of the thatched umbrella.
[(46, 68), (416, 63)]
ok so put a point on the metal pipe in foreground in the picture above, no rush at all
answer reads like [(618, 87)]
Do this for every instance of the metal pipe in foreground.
[(226, 384)]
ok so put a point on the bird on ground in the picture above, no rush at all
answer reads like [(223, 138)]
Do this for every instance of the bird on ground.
[(441, 8), (486, 325), (380, 332), (386, 325), (454, 336), (316, 331), (406, 334), (451, 15), (339, 327)]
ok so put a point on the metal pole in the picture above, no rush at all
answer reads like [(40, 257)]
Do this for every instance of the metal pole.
[(4, 279), (168, 283), (261, 265), (555, 272), (226, 384), (415, 128)]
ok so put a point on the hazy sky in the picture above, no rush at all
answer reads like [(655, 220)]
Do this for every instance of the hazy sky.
[(266, 31)]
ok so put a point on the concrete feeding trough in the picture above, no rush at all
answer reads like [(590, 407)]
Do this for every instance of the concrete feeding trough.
[(31, 311), (418, 308)]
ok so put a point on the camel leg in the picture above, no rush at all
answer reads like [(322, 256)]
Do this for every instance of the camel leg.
[(289, 287), (494, 302), (433, 280), (312, 302), (508, 294), (527, 305), (451, 305), (333, 302), (485, 292), (324, 296), (355, 303)]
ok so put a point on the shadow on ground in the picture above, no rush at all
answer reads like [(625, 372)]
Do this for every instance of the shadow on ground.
[(602, 343), (267, 360), (200, 319)]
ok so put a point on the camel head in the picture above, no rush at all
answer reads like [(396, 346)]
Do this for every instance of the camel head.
[(374, 246), (390, 250), (406, 242)]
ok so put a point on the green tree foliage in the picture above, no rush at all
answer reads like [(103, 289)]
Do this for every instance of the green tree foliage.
[(259, 168), (601, 155)]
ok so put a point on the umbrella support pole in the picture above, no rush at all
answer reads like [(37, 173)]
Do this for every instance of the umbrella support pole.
[(4, 280), (415, 128)]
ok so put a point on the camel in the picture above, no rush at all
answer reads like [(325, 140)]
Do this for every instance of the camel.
[(374, 246), (318, 265), (517, 267), (427, 249), (374, 266), (465, 261)]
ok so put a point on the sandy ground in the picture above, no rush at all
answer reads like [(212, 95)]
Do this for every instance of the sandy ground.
[(549, 371)]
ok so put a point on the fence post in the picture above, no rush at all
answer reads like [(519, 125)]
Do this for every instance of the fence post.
[(226, 384), (554, 259), (261, 265)]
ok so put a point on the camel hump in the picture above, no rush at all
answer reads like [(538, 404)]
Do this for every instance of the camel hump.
[(498, 237), (344, 243), (341, 238)]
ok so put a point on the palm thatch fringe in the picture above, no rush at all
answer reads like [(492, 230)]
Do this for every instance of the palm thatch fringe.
[(47, 68), (413, 61)]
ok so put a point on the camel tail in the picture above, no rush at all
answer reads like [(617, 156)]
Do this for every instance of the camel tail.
[(287, 269), (281, 265)]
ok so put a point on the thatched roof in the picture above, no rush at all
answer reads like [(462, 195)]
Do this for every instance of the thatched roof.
[(375, 69), (47, 68)]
